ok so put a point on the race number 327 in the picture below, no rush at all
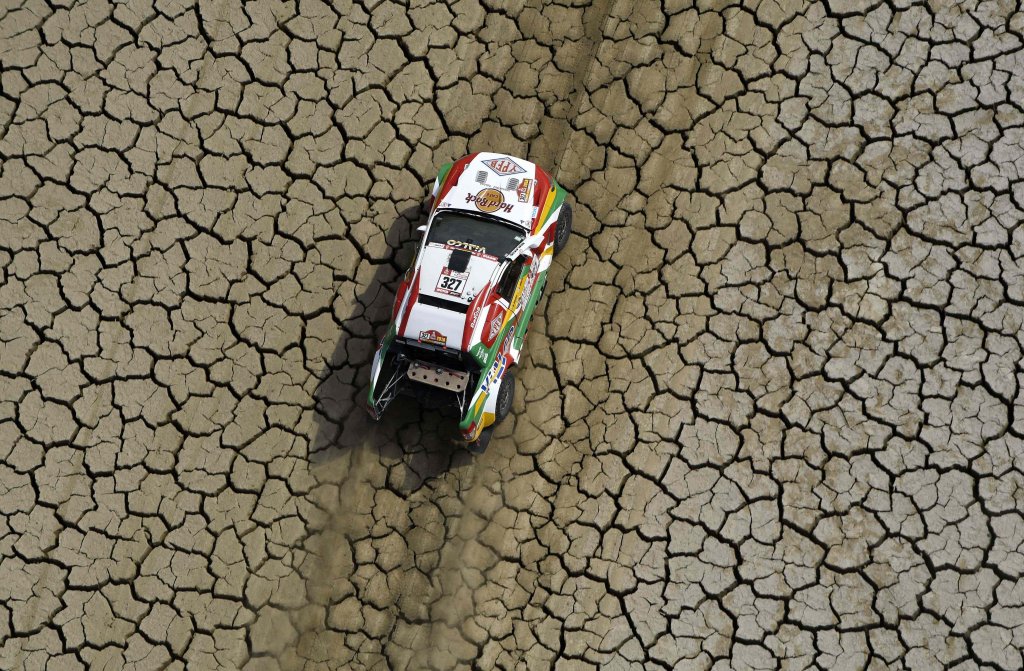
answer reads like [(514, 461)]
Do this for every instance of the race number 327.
[(451, 283)]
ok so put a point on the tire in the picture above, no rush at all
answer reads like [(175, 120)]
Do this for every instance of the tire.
[(563, 228), (506, 394)]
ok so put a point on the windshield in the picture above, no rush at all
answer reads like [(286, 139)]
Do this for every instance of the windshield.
[(474, 234)]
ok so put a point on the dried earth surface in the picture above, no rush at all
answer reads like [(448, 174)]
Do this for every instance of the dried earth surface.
[(771, 414)]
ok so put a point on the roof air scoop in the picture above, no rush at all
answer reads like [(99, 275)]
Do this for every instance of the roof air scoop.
[(481, 177), (459, 260)]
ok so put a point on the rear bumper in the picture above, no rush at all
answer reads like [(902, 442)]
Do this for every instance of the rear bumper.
[(436, 378)]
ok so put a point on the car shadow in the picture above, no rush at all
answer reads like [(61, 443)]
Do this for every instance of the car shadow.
[(413, 442)]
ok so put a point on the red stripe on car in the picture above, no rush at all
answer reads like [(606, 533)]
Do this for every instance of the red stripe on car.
[(414, 293), (402, 288)]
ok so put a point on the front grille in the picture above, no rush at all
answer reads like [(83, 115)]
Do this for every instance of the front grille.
[(454, 306)]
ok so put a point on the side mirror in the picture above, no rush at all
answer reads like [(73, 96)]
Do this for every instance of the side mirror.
[(422, 228), (534, 241)]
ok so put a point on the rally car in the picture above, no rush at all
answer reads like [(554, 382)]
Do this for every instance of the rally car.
[(463, 307)]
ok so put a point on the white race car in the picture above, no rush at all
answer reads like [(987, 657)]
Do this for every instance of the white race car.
[(463, 307)]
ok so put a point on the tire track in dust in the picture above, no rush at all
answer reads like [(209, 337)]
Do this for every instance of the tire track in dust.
[(463, 555), (360, 472)]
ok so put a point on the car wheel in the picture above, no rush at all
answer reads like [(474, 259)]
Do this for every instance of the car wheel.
[(563, 228), (506, 394)]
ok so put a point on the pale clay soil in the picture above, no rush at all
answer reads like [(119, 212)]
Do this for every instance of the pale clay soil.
[(770, 414)]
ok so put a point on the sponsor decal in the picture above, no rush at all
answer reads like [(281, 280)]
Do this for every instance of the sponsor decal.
[(526, 286), (476, 250), (494, 374), (468, 246), (495, 326), (504, 166), (522, 291), (489, 200), (476, 315), (523, 191), (433, 336), (451, 282)]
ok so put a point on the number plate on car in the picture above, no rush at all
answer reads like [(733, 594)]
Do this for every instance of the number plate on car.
[(451, 282)]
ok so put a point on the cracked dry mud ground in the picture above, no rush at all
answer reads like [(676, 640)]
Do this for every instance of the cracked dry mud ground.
[(771, 413)]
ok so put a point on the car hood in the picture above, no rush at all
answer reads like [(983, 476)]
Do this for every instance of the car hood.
[(502, 186)]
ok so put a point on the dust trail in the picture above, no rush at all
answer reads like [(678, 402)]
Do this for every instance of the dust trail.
[(404, 478)]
